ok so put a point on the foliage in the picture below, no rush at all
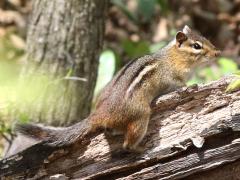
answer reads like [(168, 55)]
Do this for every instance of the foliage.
[(135, 49), (235, 84), (224, 66), (141, 19), (107, 66), (10, 57), (144, 9)]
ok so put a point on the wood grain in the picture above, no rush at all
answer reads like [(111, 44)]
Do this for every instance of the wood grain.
[(192, 130)]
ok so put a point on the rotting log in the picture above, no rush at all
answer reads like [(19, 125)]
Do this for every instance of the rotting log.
[(193, 132)]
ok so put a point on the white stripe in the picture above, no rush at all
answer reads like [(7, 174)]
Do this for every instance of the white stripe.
[(139, 77)]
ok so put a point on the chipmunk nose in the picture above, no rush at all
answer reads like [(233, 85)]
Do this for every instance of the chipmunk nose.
[(217, 53)]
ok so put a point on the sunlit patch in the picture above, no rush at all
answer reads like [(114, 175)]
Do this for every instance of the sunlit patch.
[(26, 93)]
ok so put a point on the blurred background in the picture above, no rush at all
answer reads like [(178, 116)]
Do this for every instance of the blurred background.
[(132, 28)]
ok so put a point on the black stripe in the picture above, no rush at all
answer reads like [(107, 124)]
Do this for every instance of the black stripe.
[(144, 78), (142, 66), (106, 91), (139, 63), (123, 70), (137, 73)]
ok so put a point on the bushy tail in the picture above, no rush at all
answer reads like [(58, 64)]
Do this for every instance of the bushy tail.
[(56, 136)]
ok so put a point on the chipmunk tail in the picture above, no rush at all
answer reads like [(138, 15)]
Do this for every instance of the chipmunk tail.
[(55, 136)]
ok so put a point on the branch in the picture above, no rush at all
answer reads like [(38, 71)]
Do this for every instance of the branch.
[(192, 130)]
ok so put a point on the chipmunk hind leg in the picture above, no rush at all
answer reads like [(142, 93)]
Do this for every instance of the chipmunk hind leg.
[(136, 130)]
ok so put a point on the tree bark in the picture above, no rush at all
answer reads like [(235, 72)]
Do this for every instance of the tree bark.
[(192, 130), (64, 37)]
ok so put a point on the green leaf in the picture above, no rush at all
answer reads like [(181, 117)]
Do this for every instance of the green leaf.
[(233, 86), (210, 74), (227, 66), (69, 73), (237, 73), (146, 9), (135, 49), (124, 9), (23, 118), (5, 127), (164, 5), (106, 69), (155, 47)]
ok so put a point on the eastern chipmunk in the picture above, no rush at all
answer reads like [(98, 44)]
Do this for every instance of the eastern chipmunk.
[(124, 104)]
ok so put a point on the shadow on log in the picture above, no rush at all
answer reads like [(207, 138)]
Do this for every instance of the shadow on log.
[(193, 133)]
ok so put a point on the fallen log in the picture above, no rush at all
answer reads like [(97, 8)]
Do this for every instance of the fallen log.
[(193, 133)]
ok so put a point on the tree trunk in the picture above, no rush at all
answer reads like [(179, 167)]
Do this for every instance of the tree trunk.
[(191, 130), (63, 45), (64, 38)]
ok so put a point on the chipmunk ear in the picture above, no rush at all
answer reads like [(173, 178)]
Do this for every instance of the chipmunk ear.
[(180, 37), (186, 29)]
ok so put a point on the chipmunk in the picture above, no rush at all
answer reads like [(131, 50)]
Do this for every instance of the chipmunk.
[(124, 104)]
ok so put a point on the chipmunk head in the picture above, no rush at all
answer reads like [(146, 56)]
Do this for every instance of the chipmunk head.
[(194, 47)]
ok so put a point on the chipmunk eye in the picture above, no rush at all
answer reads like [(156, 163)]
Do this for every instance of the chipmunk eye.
[(196, 46)]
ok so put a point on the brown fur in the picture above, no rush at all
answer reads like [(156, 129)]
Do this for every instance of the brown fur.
[(124, 104)]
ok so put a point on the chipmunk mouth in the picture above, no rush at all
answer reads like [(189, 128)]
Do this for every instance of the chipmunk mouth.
[(217, 53), (214, 54), (207, 59)]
